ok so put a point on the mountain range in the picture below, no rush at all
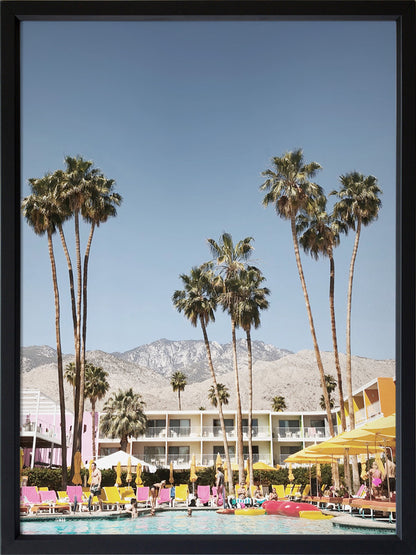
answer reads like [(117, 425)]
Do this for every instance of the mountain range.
[(147, 369)]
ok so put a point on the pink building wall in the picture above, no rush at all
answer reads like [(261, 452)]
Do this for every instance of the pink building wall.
[(47, 423)]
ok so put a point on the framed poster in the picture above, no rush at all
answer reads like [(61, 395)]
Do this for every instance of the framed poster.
[(190, 108)]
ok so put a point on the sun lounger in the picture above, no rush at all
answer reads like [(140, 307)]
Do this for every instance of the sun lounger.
[(288, 490), (113, 498), (305, 492), (76, 497), (127, 493), (181, 495), (49, 496), (164, 496), (374, 507), (204, 495), (142, 496), (280, 490), (295, 491)]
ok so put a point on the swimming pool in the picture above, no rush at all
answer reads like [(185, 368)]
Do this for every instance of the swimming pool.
[(201, 522)]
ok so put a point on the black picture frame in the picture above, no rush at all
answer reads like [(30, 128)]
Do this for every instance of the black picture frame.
[(12, 14)]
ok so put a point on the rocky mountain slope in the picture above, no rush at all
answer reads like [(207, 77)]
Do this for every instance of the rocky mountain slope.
[(294, 376), (190, 357)]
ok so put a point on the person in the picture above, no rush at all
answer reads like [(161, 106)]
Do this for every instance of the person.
[(152, 512), (391, 475), (258, 496), (273, 495), (220, 485), (154, 492), (376, 480), (189, 512), (242, 497), (133, 509), (95, 487)]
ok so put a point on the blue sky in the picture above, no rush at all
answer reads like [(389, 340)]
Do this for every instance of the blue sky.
[(185, 116)]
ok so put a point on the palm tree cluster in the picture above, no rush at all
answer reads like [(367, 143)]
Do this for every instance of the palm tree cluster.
[(227, 281), (80, 191), (290, 189)]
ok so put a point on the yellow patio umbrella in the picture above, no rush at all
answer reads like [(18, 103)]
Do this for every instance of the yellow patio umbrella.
[(380, 464), (218, 461), (248, 472), (76, 480), (383, 427), (305, 456), (139, 481), (118, 476), (331, 447), (171, 480), (263, 466), (90, 472), (192, 476), (290, 475), (129, 477), (225, 467)]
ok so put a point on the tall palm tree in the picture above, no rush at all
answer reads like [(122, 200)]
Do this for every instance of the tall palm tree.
[(291, 191), (123, 417), (99, 205), (319, 235), (230, 260), (223, 394), (198, 302), (96, 386), (74, 190), (178, 383), (359, 205), (278, 404), (252, 299), (42, 214)]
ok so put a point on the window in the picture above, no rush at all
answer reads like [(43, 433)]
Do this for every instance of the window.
[(181, 427), (289, 449), (220, 449), (154, 451), (317, 424), (289, 424)]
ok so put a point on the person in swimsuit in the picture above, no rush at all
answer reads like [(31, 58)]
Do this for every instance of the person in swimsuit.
[(95, 488)]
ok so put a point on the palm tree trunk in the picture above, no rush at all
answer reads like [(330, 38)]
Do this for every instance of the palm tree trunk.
[(71, 279), (250, 404), (84, 324), (60, 367), (240, 449), (123, 443), (335, 341), (93, 428), (80, 379), (219, 405), (312, 327), (179, 399), (356, 477)]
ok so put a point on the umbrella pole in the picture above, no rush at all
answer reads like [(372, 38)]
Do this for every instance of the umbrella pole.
[(369, 474)]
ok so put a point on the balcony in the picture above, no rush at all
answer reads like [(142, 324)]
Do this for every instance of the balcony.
[(179, 461), (288, 433), (215, 431), (374, 409), (155, 432), (43, 430), (314, 433), (360, 415), (257, 431)]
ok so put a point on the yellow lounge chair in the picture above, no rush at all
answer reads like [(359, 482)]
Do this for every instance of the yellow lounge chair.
[(127, 494), (305, 492), (288, 490), (113, 498), (295, 491), (181, 494), (280, 490)]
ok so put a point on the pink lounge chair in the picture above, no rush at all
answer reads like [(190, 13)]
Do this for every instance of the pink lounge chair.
[(164, 496), (30, 494), (204, 494), (76, 491), (142, 495)]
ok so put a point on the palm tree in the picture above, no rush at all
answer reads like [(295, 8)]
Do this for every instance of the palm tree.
[(278, 404), (331, 384), (358, 206), (123, 417), (97, 208), (198, 302), (178, 383), (223, 394), (42, 214), (320, 235), (252, 299), (74, 190), (290, 189), (96, 386), (230, 260)]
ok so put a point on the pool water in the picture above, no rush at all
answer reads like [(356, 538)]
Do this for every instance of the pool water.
[(201, 522)]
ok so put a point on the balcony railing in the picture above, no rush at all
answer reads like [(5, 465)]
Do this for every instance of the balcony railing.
[(288, 433), (216, 431), (315, 432), (360, 415), (179, 460), (155, 431), (42, 428), (258, 431), (308, 433), (373, 409)]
